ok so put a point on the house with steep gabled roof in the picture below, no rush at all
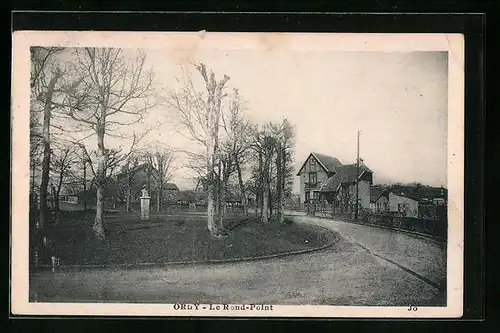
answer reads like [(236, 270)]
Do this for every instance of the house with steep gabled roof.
[(379, 199), (340, 189), (384, 200), (325, 178), (313, 173)]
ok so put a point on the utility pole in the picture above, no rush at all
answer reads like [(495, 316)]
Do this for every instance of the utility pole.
[(357, 180)]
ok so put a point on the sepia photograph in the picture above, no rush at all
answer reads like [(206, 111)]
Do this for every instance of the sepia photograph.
[(237, 174)]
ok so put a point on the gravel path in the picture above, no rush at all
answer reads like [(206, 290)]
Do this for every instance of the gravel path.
[(425, 257), (368, 266)]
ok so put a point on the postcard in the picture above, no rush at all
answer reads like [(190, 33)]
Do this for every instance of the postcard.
[(217, 174)]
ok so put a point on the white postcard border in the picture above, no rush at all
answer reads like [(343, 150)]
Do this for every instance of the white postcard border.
[(193, 41)]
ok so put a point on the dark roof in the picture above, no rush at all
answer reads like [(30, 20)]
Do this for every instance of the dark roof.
[(187, 196), (329, 163), (171, 186), (405, 195), (435, 192), (418, 192), (376, 192), (233, 198), (344, 174), (135, 169)]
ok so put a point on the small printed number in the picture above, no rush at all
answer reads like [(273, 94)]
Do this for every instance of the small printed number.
[(412, 308)]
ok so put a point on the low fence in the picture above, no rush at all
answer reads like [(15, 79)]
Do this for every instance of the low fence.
[(172, 208), (433, 227), (72, 211)]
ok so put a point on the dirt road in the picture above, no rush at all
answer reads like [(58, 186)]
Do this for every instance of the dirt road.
[(368, 266)]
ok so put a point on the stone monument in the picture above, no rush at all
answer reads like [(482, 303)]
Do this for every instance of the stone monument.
[(145, 198)]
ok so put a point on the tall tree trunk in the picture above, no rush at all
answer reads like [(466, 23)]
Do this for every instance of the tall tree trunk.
[(269, 187), (242, 188), (58, 190), (32, 189), (148, 179), (265, 208), (217, 194), (158, 198), (99, 229), (212, 227), (222, 199), (84, 185), (57, 205), (128, 196), (260, 186), (223, 192), (270, 199), (265, 196), (211, 221), (280, 184), (46, 151)]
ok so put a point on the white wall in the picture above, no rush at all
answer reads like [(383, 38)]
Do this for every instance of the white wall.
[(364, 194), (394, 200)]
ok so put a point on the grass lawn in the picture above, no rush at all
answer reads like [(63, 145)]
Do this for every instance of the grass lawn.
[(172, 239)]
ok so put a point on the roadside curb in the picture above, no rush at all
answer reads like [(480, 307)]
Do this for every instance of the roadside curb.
[(334, 238), (404, 231)]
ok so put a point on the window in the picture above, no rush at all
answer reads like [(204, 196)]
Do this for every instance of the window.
[(312, 164), (313, 179), (316, 196), (308, 196)]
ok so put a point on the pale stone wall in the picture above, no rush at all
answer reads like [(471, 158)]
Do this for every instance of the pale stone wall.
[(394, 200)]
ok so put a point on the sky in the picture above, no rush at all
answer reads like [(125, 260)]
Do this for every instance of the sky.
[(398, 100)]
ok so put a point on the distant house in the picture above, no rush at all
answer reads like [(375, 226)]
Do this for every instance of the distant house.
[(142, 175), (314, 173), (89, 196), (437, 195), (170, 192), (403, 204), (432, 201), (234, 200), (191, 197), (325, 178), (340, 189), (251, 198), (383, 201), (379, 199), (186, 197), (433, 204)]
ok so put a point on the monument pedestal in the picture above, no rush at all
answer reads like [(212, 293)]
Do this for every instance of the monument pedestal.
[(145, 208)]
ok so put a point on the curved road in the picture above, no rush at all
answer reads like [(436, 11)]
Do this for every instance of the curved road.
[(368, 266)]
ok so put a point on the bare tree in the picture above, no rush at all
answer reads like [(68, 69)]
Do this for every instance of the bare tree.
[(284, 134), (113, 91), (198, 111), (36, 146), (126, 178), (264, 144), (238, 133), (161, 159), (256, 146), (62, 161), (45, 74)]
